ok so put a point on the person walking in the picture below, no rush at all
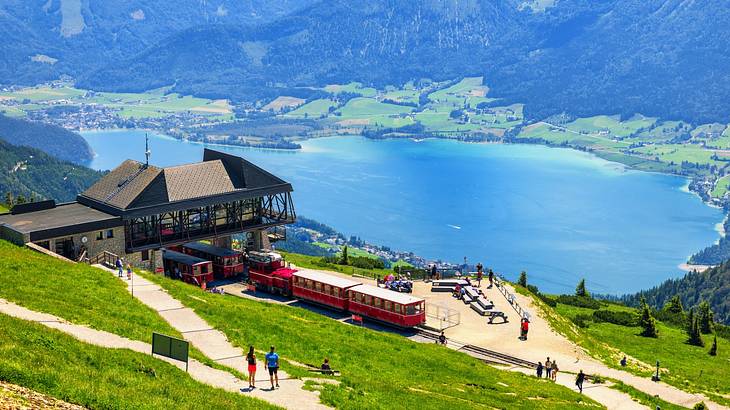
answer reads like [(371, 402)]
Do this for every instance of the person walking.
[(491, 278), (539, 370), (554, 370), (579, 380), (433, 272), (272, 362), (129, 271), (548, 368), (480, 274), (442, 338), (251, 360), (524, 328), (120, 267)]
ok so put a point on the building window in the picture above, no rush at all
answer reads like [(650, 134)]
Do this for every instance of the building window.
[(145, 255), (100, 236), (110, 233)]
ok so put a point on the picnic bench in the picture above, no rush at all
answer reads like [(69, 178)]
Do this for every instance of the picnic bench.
[(314, 369), (495, 314)]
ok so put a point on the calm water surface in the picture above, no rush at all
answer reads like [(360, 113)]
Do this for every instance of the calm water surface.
[(559, 214)]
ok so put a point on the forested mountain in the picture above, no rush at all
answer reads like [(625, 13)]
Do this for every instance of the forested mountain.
[(712, 285), (663, 58), (30, 172), (52, 139)]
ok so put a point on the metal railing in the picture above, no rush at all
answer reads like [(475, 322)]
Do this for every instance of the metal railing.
[(511, 298), (105, 258)]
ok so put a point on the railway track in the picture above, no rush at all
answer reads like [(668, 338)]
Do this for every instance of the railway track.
[(486, 355)]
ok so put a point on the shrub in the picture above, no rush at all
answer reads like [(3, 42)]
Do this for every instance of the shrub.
[(646, 321), (669, 317), (700, 406), (581, 320), (713, 349), (548, 300), (722, 330), (366, 263), (579, 301), (615, 317)]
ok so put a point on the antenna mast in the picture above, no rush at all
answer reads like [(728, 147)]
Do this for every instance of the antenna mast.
[(146, 150)]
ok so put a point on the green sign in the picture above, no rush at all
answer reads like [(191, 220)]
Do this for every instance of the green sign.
[(170, 347)]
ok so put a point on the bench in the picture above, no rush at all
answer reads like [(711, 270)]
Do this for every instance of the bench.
[(478, 308), (484, 303), (471, 292), (442, 289), (496, 314), (466, 299)]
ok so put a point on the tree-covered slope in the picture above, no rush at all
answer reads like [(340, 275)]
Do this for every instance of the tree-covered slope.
[(52, 139), (712, 285), (28, 171)]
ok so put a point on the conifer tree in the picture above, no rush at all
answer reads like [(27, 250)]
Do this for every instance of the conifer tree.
[(522, 281), (647, 321), (580, 290), (693, 330), (344, 259), (713, 348), (705, 317), (674, 305)]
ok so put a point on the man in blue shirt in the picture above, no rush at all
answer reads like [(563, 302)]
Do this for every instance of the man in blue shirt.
[(272, 362)]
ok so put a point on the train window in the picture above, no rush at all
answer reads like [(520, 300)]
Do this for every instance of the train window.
[(410, 310), (328, 289), (336, 292), (309, 284), (204, 269), (359, 297), (368, 300), (388, 306), (398, 309), (318, 286), (376, 302)]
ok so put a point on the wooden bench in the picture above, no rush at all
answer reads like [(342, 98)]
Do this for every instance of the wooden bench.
[(485, 303), (496, 314), (472, 292), (478, 308)]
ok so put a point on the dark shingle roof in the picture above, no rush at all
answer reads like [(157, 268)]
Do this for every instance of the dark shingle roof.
[(132, 186)]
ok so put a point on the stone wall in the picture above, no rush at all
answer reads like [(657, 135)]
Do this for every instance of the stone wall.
[(93, 245)]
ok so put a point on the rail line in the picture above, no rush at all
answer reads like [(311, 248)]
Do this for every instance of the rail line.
[(486, 355)]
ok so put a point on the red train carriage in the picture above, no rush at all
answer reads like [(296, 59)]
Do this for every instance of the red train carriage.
[(226, 262), (322, 288), (193, 270), (387, 306), (266, 271)]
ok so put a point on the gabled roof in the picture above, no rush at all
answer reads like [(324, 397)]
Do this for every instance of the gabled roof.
[(133, 186)]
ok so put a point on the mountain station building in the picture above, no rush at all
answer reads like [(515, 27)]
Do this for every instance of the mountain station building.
[(137, 209)]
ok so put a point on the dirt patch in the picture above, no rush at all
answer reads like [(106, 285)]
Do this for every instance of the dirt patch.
[(16, 397), (282, 102)]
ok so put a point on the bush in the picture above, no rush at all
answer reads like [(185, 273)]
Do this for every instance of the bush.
[(548, 300), (579, 301), (647, 321), (615, 317), (700, 406), (671, 318), (581, 320), (365, 262), (722, 331)]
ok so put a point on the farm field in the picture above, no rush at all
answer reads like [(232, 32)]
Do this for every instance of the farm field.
[(362, 107), (313, 109), (721, 187), (377, 368), (353, 87)]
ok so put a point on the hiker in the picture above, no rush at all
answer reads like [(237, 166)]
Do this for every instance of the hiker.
[(623, 362), (579, 380), (120, 267), (129, 271), (251, 360), (491, 278), (480, 274), (433, 271), (442, 338), (272, 362), (554, 370), (524, 327), (539, 370), (548, 368)]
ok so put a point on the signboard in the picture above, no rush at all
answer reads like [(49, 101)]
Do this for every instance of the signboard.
[(170, 347)]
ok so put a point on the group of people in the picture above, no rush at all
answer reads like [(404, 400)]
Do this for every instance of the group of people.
[(120, 269), (550, 368), (271, 360), (480, 275)]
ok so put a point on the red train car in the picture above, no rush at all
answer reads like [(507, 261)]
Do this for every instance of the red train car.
[(322, 288), (192, 269), (226, 262), (267, 271), (387, 306)]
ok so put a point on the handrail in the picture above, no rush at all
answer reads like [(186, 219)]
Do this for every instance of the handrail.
[(511, 298), (105, 258)]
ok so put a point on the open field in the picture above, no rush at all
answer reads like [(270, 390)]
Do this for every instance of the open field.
[(610, 125), (59, 365), (676, 153), (45, 93), (283, 102), (313, 109), (463, 89), (362, 107), (721, 187), (353, 87), (378, 369), (555, 135)]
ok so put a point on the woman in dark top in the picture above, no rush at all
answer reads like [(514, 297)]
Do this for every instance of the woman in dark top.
[(251, 359)]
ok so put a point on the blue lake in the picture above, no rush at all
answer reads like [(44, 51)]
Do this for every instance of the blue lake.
[(559, 214)]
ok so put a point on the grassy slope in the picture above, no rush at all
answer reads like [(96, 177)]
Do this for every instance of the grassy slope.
[(686, 367), (313, 262), (51, 362), (379, 370)]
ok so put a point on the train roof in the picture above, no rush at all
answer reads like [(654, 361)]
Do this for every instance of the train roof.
[(182, 258), (386, 294), (326, 279), (211, 249)]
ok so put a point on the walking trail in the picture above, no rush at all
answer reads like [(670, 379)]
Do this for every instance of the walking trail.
[(214, 344)]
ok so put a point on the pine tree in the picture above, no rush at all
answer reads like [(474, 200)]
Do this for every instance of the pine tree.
[(580, 290), (705, 317), (522, 281), (693, 330), (713, 348), (674, 305), (647, 321), (9, 200), (344, 260)]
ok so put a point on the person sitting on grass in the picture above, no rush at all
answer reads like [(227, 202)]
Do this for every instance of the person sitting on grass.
[(272, 362), (326, 366)]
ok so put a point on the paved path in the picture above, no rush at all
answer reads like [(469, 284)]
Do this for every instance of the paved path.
[(214, 344)]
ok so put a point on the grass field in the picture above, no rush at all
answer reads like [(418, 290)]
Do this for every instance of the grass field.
[(611, 125), (314, 262), (721, 187), (679, 152), (312, 109), (379, 370), (558, 136), (3, 209), (362, 107), (45, 93), (459, 91), (353, 87), (50, 362)]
